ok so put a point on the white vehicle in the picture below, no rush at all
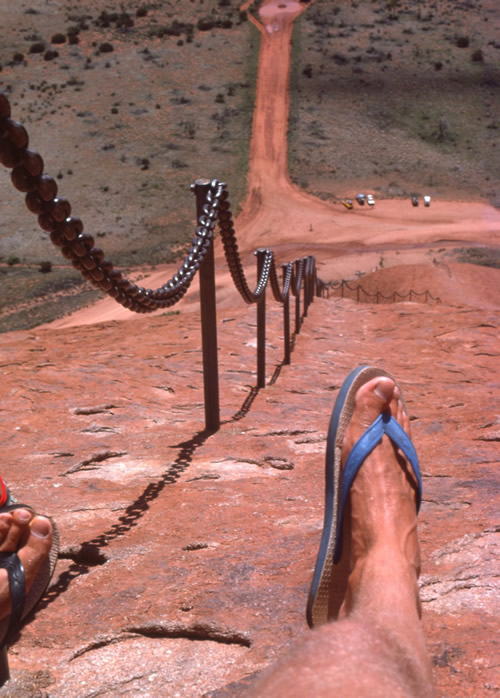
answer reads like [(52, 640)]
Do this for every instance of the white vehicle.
[(427, 200), (370, 200)]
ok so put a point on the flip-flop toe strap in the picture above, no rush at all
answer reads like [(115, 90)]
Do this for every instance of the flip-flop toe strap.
[(384, 424), (17, 585)]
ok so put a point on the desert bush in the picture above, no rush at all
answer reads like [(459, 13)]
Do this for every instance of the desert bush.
[(188, 129), (37, 47), (340, 59), (180, 100), (12, 259), (106, 47), (45, 267), (58, 38), (205, 24), (176, 29), (462, 41), (125, 21), (443, 130), (477, 56)]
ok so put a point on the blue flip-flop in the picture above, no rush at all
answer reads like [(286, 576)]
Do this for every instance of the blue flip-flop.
[(330, 576)]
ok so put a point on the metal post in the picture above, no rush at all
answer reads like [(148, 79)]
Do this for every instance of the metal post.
[(261, 326), (306, 285), (286, 320), (297, 297), (208, 321)]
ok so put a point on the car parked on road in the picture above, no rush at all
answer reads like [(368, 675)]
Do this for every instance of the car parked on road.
[(370, 200), (347, 203), (427, 200), (360, 198), (414, 200)]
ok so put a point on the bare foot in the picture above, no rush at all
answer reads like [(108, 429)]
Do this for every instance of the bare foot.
[(383, 494), (31, 536)]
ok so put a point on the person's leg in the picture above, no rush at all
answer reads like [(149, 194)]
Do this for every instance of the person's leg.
[(31, 536), (377, 648)]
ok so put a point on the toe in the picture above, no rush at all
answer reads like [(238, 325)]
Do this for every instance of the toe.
[(374, 398), (402, 417), (36, 548), (19, 524), (5, 524)]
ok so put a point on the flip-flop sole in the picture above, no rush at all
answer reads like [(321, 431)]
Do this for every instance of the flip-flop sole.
[(329, 581)]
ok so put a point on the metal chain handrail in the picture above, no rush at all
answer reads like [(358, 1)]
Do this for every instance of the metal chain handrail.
[(67, 232), (379, 295)]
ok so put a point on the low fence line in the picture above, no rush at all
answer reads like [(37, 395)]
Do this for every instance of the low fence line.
[(299, 276), (378, 295)]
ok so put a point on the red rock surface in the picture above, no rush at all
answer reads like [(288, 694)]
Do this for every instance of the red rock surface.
[(186, 557)]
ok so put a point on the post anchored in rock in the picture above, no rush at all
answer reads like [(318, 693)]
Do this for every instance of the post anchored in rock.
[(208, 321)]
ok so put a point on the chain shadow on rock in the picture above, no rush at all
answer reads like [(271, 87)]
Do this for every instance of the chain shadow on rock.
[(277, 370), (245, 407), (89, 553)]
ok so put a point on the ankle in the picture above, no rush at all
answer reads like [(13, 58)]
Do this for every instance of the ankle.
[(382, 578)]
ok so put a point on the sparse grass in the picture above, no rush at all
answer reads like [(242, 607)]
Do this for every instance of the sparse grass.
[(367, 74), (154, 105), (484, 256), (44, 297)]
